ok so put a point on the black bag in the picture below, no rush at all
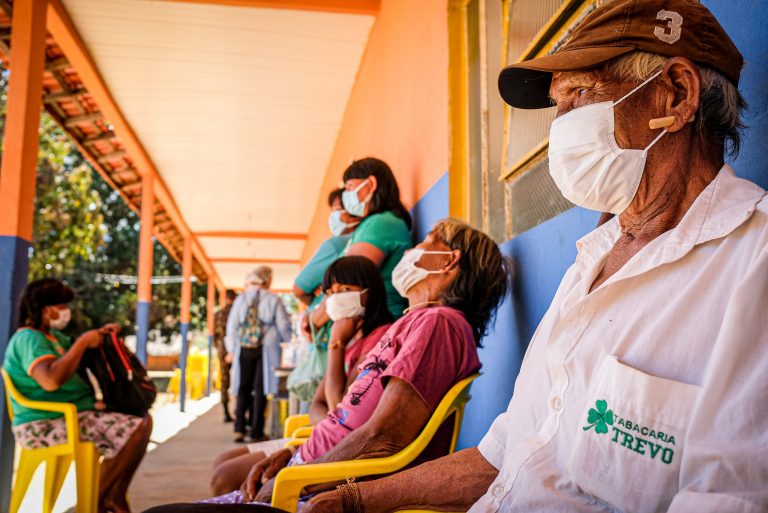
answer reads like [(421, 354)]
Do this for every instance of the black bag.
[(117, 377)]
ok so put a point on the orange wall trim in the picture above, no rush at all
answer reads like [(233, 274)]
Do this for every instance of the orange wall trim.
[(369, 7), (398, 108)]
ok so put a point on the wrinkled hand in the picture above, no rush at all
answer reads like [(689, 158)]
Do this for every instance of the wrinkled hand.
[(344, 329), (91, 338), (328, 502), (265, 494), (262, 472)]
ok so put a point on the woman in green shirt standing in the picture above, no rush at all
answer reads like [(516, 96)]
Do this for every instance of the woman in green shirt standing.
[(42, 363), (383, 236)]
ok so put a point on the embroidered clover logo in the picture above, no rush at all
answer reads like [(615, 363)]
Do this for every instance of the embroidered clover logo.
[(599, 418)]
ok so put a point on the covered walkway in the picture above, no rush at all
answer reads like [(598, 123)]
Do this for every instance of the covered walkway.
[(179, 469)]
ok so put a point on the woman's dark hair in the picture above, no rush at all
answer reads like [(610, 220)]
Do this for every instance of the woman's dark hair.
[(39, 294), (362, 272), (387, 195), (334, 196), (483, 278)]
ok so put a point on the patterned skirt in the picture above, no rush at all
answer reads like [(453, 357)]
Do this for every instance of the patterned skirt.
[(109, 431)]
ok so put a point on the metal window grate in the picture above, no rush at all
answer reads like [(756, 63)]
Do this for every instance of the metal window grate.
[(533, 198)]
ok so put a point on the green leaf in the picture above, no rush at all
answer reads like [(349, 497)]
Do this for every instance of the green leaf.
[(602, 405), (593, 416)]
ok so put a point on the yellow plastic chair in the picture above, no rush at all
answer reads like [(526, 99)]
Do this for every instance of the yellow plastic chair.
[(291, 480), (295, 422), (56, 458)]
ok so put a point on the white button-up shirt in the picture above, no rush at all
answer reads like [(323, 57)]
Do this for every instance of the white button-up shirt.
[(651, 392)]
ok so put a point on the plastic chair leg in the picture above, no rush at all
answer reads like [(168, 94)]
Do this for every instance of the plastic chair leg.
[(87, 469), (28, 463), (56, 468)]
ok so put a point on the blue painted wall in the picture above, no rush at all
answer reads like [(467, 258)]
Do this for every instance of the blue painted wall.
[(432, 207), (744, 20), (540, 257), (542, 254)]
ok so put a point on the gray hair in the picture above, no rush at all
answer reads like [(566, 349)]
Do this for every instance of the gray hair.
[(722, 105), (260, 275)]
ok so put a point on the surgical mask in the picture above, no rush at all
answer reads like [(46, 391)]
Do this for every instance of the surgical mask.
[(61, 322), (344, 304), (352, 203), (336, 225), (406, 273), (588, 166)]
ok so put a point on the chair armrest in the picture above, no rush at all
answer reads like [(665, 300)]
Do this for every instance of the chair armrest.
[(291, 481), (69, 410), (302, 432), (293, 423)]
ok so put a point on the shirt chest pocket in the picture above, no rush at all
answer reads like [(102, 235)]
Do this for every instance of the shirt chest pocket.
[(630, 442)]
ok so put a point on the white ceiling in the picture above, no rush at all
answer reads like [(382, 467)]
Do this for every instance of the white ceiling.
[(238, 107)]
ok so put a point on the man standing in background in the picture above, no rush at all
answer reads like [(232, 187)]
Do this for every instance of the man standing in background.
[(219, 331)]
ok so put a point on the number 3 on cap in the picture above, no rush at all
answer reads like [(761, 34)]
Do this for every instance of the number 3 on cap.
[(671, 33)]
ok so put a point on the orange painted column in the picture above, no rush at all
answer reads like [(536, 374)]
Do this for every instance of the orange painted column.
[(146, 265), (17, 188), (210, 306), (186, 302)]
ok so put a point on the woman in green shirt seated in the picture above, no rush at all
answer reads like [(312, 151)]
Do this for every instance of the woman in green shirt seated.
[(42, 362), (383, 236)]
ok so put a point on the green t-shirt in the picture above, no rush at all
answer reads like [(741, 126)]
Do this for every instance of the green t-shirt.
[(311, 275), (389, 234), (26, 349)]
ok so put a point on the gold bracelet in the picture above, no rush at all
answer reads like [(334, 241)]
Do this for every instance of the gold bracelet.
[(351, 500)]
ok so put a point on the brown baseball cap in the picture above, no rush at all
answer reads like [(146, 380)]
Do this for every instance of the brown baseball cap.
[(674, 28)]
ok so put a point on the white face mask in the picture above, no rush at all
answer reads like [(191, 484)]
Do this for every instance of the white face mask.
[(336, 225), (344, 304), (406, 273), (61, 322), (352, 203), (588, 166)]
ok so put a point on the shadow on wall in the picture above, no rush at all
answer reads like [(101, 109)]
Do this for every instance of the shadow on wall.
[(540, 258)]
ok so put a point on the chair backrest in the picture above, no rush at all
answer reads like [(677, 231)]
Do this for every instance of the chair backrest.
[(452, 403), (69, 410), (291, 480), (10, 391)]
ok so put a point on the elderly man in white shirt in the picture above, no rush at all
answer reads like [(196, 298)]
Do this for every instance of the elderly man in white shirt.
[(645, 387)]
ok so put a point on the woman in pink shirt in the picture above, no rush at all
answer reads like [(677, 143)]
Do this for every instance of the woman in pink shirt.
[(361, 318), (454, 280)]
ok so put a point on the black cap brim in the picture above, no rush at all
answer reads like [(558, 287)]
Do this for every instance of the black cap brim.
[(525, 85)]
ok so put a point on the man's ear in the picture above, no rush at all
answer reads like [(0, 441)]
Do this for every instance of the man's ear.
[(682, 81)]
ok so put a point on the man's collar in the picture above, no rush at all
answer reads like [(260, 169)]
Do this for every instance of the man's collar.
[(724, 205)]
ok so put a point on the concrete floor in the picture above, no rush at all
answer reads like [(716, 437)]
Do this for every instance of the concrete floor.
[(179, 469)]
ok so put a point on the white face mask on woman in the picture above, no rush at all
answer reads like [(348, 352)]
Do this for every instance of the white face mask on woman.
[(65, 314), (352, 203), (406, 273), (344, 304), (587, 165)]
